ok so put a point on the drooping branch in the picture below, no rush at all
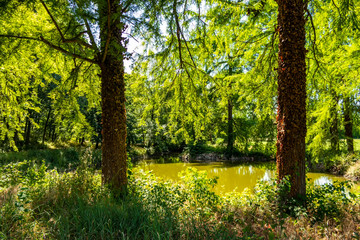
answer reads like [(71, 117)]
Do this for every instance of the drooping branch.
[(53, 20), (63, 39), (60, 49), (187, 47), (178, 33), (66, 52), (314, 40)]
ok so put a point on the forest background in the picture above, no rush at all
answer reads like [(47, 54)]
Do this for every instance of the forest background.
[(206, 80)]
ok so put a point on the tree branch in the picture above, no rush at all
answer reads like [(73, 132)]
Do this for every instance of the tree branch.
[(108, 33), (314, 41), (91, 36), (19, 37), (64, 40), (65, 51), (60, 49), (53, 20), (178, 34)]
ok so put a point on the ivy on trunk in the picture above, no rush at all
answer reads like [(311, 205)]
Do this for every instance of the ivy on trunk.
[(291, 112)]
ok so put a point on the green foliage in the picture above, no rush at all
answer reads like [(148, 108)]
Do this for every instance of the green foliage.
[(26, 172), (54, 158), (198, 188), (321, 201), (328, 200), (74, 204), (337, 164)]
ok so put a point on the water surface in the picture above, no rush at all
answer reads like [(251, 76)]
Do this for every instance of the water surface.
[(230, 177)]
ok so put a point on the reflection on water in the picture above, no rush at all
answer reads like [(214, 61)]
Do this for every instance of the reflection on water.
[(231, 177), (268, 175), (323, 180)]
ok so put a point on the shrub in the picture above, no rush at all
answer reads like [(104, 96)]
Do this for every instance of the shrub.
[(328, 200)]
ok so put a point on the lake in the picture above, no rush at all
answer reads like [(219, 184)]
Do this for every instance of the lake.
[(231, 177)]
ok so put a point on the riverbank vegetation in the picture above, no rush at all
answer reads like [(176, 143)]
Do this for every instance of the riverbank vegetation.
[(36, 202), (210, 80)]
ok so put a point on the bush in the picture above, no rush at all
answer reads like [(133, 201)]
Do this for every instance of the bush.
[(26, 172), (36, 204), (333, 163), (328, 200)]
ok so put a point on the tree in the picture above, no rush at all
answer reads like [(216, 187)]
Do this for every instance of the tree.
[(332, 39), (291, 118), (70, 28), (70, 21)]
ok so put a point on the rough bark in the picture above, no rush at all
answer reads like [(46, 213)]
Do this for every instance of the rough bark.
[(348, 124), (291, 112), (114, 164)]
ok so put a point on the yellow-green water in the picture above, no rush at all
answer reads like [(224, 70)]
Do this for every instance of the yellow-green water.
[(231, 177)]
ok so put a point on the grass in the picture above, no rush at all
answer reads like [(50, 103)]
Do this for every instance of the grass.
[(357, 144), (41, 203)]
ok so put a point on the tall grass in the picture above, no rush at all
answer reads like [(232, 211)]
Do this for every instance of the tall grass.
[(41, 203)]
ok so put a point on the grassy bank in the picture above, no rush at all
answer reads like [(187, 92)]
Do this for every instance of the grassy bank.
[(39, 203)]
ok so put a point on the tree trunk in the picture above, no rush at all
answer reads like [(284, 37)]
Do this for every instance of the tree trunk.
[(53, 133), (230, 133), (26, 125), (348, 124), (27, 132), (334, 125), (114, 164), (291, 118), (50, 129), (46, 123)]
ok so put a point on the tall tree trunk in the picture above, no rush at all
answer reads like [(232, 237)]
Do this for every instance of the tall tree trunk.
[(26, 125), (334, 125), (46, 124), (53, 134), (27, 132), (50, 128), (291, 118), (230, 133), (348, 124), (114, 164)]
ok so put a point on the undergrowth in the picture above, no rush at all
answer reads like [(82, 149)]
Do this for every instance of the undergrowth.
[(41, 203)]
